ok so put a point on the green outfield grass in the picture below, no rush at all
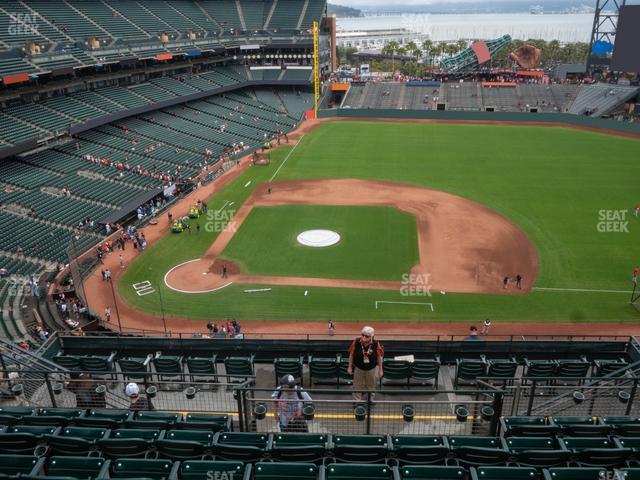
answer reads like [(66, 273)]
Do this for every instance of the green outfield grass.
[(553, 182), (377, 243)]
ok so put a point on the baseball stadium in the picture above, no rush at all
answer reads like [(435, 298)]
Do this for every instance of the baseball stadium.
[(225, 254)]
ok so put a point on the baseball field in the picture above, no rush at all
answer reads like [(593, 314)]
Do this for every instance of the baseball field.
[(431, 217)]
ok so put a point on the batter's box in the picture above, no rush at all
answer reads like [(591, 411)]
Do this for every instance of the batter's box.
[(143, 288)]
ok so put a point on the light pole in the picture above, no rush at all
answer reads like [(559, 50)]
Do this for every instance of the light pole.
[(115, 303)]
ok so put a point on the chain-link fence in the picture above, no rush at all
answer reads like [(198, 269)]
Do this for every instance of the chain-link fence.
[(570, 396), (117, 390)]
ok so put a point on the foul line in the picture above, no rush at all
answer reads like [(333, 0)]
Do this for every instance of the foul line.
[(404, 303), (191, 291), (222, 207), (286, 158), (588, 290)]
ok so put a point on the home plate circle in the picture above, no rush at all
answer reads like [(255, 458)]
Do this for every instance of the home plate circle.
[(318, 238)]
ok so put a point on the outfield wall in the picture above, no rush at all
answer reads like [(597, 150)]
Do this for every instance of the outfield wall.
[(516, 117)]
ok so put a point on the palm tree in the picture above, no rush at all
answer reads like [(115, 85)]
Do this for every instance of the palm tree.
[(427, 47), (411, 47), (391, 48), (461, 45)]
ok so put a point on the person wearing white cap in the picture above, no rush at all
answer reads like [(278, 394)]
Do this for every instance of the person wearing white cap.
[(288, 401), (365, 362), (132, 390)]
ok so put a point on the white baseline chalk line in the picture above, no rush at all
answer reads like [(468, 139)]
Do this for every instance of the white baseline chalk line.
[(286, 158), (405, 303), (587, 290)]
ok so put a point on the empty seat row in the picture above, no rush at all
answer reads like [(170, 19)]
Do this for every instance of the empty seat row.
[(166, 366), (195, 438), (470, 369), (12, 416), (98, 468), (536, 426)]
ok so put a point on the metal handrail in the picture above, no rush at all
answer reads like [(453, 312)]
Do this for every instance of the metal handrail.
[(26, 358)]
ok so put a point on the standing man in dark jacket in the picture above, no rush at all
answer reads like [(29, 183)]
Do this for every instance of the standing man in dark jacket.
[(365, 362)]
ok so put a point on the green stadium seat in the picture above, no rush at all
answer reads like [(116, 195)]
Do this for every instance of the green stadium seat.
[(396, 372), (502, 370), (199, 469), (106, 417), (299, 447), (628, 442), (70, 362), (202, 368), (503, 473), (240, 367), (284, 470), (215, 422), (98, 364), (11, 414), (574, 473), (18, 464), (419, 449), (527, 426), (288, 366), (428, 472), (75, 440), (337, 471), (425, 371), (152, 419), (168, 367), (581, 426), (123, 443), (144, 468), (21, 442), (578, 368), (596, 451), (53, 416), (37, 430), (360, 448), (135, 368), (185, 444), (537, 451), (323, 370), (469, 369), (623, 425), (150, 434), (244, 446), (628, 474), (609, 367), (76, 467), (472, 450), (540, 369)]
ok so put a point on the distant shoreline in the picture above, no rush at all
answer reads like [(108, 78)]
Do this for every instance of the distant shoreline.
[(447, 26)]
